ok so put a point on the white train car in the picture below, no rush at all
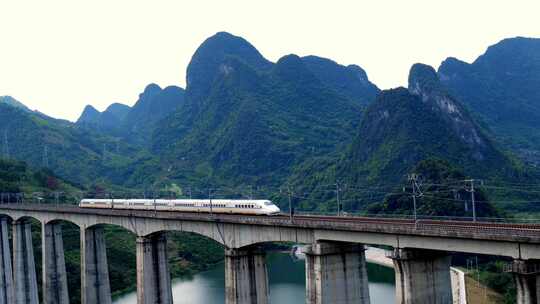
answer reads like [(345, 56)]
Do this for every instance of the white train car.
[(252, 207)]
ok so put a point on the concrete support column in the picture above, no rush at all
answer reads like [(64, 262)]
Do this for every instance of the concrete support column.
[(527, 278), (153, 277), (55, 290), (336, 273), (422, 276), (6, 271), (25, 281), (246, 276), (95, 286)]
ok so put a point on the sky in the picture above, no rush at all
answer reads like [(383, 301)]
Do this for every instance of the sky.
[(57, 56)]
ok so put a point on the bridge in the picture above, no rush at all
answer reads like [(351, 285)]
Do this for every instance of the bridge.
[(335, 261)]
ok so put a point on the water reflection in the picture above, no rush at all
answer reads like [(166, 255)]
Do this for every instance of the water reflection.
[(287, 284)]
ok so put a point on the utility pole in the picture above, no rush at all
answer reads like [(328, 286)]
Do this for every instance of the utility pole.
[(250, 192), (189, 192), (413, 178), (6, 144), (290, 202), (45, 157), (337, 199), (210, 197), (471, 190)]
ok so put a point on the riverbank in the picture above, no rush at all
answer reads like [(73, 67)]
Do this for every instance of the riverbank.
[(464, 288)]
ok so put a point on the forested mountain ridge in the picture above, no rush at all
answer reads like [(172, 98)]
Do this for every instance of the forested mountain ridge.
[(502, 86), (403, 127), (256, 120), (134, 124), (80, 155), (351, 81), (243, 119), (8, 100), (108, 121)]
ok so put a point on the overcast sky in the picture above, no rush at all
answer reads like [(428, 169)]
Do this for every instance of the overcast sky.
[(57, 56)]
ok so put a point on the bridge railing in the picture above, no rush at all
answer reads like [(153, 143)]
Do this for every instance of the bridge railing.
[(423, 217), (75, 197), (523, 268)]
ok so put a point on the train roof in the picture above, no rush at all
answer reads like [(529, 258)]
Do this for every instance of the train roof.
[(176, 200)]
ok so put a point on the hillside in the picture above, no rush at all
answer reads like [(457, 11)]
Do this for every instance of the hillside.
[(503, 87), (17, 177), (350, 81), (255, 120), (153, 105), (134, 124), (80, 155), (400, 129), (108, 121)]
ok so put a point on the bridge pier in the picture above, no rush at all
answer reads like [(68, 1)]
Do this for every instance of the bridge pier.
[(95, 285), (527, 277), (336, 273), (55, 288), (246, 276), (6, 270), (422, 276), (25, 281), (153, 277)]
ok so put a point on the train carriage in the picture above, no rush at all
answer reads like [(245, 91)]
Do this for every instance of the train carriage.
[(248, 207)]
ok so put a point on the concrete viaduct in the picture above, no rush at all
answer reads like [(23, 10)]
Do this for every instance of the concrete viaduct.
[(335, 260)]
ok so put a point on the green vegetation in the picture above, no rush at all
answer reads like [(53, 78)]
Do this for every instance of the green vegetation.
[(79, 155), (308, 124), (443, 194), (255, 126), (17, 177), (502, 87)]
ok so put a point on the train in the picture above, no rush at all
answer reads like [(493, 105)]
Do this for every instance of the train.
[(230, 206)]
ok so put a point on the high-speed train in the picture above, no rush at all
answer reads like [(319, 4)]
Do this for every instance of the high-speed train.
[(255, 207)]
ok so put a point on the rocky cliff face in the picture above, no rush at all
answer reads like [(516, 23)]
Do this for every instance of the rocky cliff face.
[(405, 126), (502, 87), (424, 82)]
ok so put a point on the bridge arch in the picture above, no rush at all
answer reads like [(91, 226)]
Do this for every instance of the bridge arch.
[(212, 231), (17, 218), (53, 221), (8, 217)]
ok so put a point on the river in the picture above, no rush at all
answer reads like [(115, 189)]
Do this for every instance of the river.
[(286, 278)]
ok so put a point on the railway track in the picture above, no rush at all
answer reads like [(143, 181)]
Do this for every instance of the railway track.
[(421, 225)]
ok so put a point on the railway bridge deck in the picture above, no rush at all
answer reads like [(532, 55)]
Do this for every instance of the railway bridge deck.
[(335, 263)]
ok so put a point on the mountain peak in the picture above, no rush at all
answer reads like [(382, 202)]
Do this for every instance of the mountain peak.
[(359, 72), (119, 110), (423, 79), (209, 57), (152, 89), (89, 115), (13, 102), (516, 48), (292, 68)]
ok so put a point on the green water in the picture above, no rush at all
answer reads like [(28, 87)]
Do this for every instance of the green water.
[(287, 284)]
